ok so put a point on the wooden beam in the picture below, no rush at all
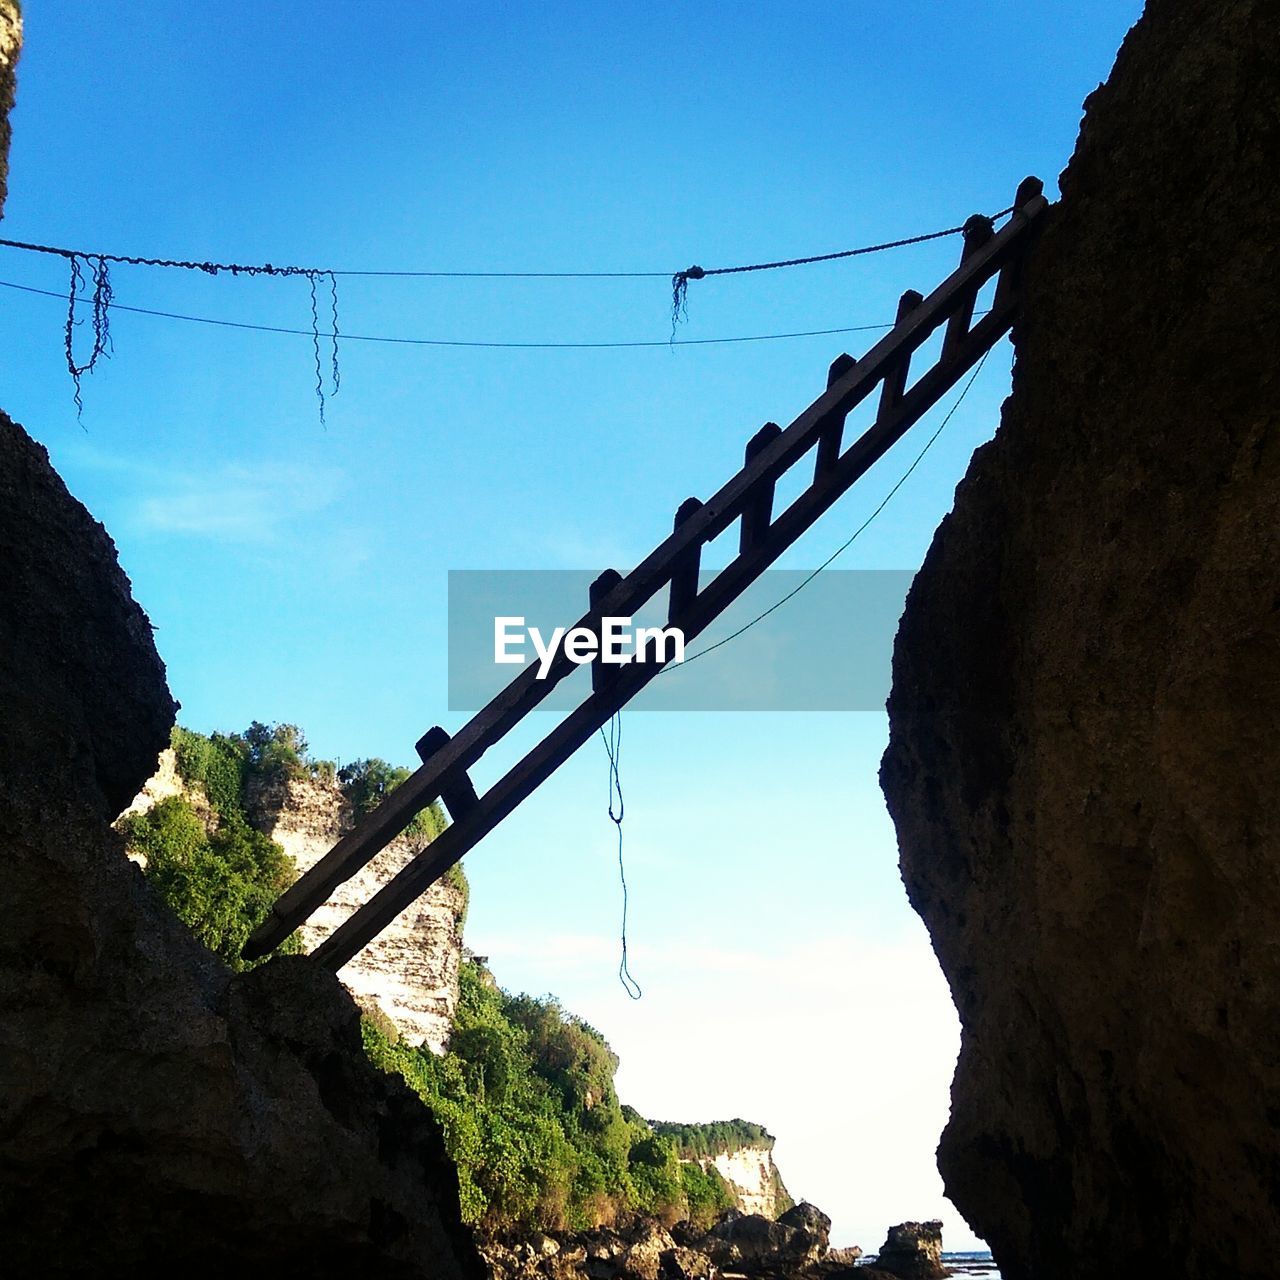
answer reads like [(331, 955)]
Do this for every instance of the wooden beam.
[(587, 718), (669, 558), (458, 795), (759, 510), (685, 565), (602, 673), (978, 231), (831, 431), (895, 381), (1009, 282)]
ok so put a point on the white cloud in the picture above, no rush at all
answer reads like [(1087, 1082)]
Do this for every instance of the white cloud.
[(237, 503)]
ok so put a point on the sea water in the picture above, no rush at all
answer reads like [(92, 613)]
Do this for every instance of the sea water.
[(972, 1264), (976, 1264)]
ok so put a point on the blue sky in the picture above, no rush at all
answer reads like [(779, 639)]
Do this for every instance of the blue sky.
[(298, 573)]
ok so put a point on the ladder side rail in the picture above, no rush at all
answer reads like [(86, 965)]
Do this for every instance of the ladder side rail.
[(527, 691), (590, 715)]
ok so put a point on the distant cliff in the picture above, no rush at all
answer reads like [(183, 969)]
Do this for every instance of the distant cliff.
[(753, 1179), (741, 1152), (411, 971)]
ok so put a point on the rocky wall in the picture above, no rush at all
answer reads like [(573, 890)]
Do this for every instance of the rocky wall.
[(1083, 765)]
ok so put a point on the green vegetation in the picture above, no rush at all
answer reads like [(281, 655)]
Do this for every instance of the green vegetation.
[(530, 1114), (695, 1141), (706, 1191), (525, 1093), (219, 874), (366, 783), (221, 883), (226, 765)]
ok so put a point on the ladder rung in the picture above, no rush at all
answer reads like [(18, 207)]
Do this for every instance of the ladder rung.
[(895, 381), (759, 508), (602, 674), (458, 795), (833, 429), (1009, 281), (684, 576), (977, 231)]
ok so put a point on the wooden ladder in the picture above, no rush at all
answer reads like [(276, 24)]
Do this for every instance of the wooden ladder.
[(748, 497)]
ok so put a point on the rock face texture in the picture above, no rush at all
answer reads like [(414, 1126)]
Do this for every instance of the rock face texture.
[(912, 1251), (10, 48), (1083, 765), (158, 1116), (82, 690), (411, 970), (792, 1248), (753, 1178)]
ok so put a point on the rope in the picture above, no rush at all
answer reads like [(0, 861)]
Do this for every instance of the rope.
[(102, 302), (102, 297), (613, 749), (443, 342), (270, 269), (840, 550), (680, 281)]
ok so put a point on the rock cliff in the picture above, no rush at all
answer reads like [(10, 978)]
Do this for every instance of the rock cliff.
[(1083, 765), (752, 1178), (10, 47), (411, 970), (157, 1115), (795, 1247), (911, 1251)]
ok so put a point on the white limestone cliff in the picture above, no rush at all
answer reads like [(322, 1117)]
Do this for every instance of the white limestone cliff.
[(410, 971), (753, 1178)]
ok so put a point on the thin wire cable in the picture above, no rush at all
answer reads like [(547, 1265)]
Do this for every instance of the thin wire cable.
[(613, 749), (443, 342), (840, 550)]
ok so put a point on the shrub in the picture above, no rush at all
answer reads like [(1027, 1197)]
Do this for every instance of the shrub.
[(220, 883), (526, 1099), (367, 783), (216, 764), (706, 1192), (696, 1140)]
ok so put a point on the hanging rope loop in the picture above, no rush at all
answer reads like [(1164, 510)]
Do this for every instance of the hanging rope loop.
[(617, 808)]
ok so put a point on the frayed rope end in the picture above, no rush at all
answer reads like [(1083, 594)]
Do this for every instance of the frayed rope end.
[(680, 295)]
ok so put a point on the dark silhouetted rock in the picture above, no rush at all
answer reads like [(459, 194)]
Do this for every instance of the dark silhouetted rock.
[(913, 1251), (1084, 763), (743, 1244), (808, 1217), (751, 1243), (157, 1115), (83, 691)]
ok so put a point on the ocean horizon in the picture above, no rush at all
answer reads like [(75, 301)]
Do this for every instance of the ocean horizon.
[(976, 1263)]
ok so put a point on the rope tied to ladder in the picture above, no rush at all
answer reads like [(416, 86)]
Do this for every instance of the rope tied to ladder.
[(613, 749), (680, 281)]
